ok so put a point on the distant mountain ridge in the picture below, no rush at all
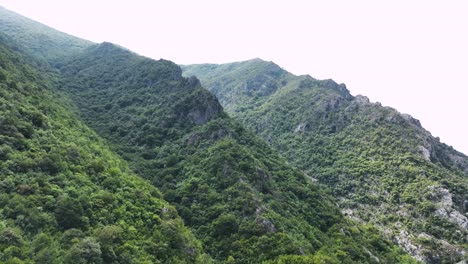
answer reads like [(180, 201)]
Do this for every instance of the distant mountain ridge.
[(42, 41), (384, 168), (261, 79)]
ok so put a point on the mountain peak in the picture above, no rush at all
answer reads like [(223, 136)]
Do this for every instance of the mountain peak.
[(372, 157), (108, 48), (258, 62), (341, 88)]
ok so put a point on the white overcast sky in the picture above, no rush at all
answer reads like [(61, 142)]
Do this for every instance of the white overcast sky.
[(408, 54)]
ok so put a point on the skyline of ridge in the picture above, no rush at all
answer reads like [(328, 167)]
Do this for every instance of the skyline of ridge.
[(416, 90)]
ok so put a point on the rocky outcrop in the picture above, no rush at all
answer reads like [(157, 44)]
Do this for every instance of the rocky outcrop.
[(404, 239), (445, 208), (300, 128), (412, 120), (200, 107), (425, 153), (267, 225), (202, 115), (361, 99)]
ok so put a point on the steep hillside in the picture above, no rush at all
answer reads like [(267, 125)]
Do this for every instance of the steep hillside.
[(37, 39), (243, 202), (65, 197), (240, 198), (384, 168)]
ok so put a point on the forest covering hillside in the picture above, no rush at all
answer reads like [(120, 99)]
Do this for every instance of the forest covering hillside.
[(44, 42), (238, 196), (96, 142), (68, 196), (383, 166), (65, 197)]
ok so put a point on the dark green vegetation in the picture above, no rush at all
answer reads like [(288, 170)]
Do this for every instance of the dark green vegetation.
[(237, 195), (242, 201), (70, 196), (64, 196), (383, 167)]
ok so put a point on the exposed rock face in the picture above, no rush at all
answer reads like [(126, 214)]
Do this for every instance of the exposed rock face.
[(412, 243), (200, 108), (412, 120), (445, 208), (300, 128), (460, 161), (425, 152), (361, 99), (380, 161), (267, 225), (332, 103), (407, 242), (193, 82), (341, 88), (201, 116), (404, 240)]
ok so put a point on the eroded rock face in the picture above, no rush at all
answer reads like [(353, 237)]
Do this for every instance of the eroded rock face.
[(404, 239), (202, 107), (445, 208), (317, 112), (267, 225), (332, 103), (201, 116), (420, 253), (361, 99), (412, 120), (300, 128), (425, 153), (460, 161)]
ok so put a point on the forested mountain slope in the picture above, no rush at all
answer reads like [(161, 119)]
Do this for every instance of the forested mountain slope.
[(239, 197), (38, 39), (384, 168), (64, 196)]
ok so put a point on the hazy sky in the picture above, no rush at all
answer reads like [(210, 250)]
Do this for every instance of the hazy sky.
[(411, 55)]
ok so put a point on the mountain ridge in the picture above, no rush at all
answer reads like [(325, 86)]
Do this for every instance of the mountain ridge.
[(66, 197), (241, 199), (353, 146), (175, 134)]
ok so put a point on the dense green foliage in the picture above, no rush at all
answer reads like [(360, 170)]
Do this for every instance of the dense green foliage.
[(64, 196), (384, 168), (68, 197), (44, 42), (239, 198)]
